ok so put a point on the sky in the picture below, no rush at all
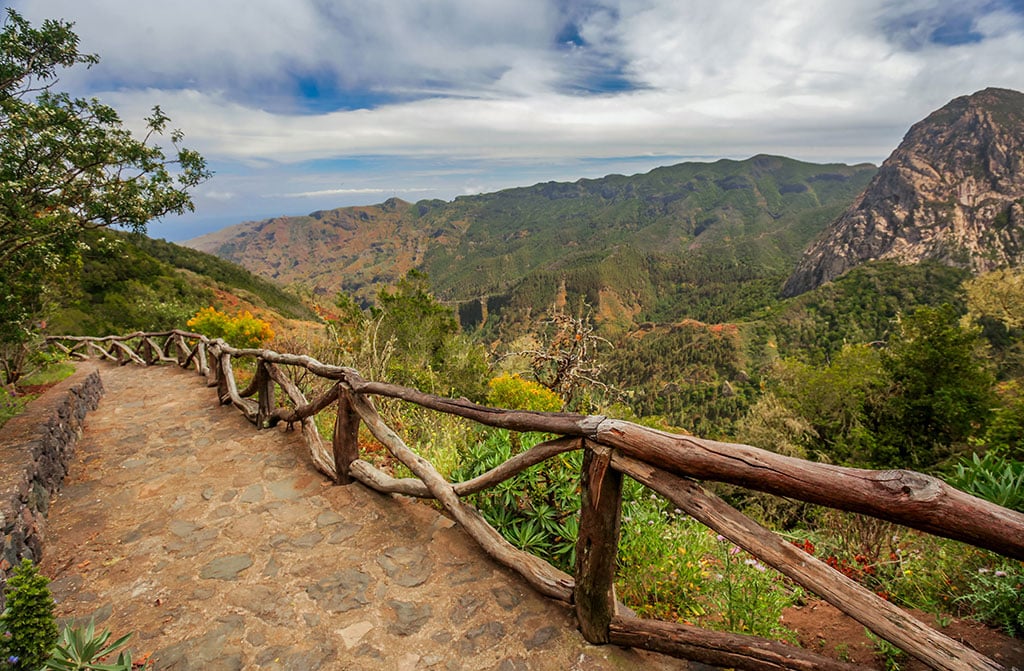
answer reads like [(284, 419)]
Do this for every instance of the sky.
[(301, 105)]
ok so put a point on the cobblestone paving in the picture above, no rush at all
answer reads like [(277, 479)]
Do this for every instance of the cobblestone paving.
[(222, 548)]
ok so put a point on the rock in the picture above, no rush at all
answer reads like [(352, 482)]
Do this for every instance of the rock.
[(342, 592), (408, 567), (951, 192), (226, 568), (409, 617)]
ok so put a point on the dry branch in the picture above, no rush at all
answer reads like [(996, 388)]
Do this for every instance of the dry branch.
[(322, 458), (597, 544), (248, 408), (306, 409), (345, 440), (127, 351)]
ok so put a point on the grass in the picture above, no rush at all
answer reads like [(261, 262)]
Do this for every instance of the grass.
[(12, 405), (50, 374)]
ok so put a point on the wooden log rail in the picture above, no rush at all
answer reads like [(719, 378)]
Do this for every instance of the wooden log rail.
[(666, 463)]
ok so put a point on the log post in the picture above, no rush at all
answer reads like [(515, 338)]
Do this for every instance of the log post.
[(265, 389), (222, 363), (345, 442), (145, 351), (203, 366), (597, 543)]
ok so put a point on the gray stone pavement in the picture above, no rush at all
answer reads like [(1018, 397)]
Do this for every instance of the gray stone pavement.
[(222, 548)]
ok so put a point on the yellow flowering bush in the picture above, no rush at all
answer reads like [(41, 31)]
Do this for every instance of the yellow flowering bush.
[(515, 393), (243, 330)]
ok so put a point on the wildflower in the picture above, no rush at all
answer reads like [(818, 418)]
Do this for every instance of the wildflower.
[(1000, 574), (984, 570), (734, 550), (755, 564), (720, 538), (13, 659)]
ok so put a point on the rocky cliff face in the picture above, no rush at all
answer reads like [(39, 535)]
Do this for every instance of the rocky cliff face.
[(953, 191)]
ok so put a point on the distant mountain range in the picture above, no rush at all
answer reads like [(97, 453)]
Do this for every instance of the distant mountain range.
[(638, 247), (711, 241)]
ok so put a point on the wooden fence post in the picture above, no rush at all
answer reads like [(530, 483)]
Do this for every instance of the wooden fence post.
[(265, 390), (145, 350), (204, 366), (597, 543), (223, 394), (345, 442)]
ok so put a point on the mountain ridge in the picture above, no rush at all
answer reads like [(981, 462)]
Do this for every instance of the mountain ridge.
[(624, 241), (952, 191)]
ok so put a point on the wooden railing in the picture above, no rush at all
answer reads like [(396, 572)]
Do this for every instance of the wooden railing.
[(666, 463)]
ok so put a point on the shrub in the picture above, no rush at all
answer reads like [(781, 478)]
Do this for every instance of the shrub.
[(28, 624), (243, 330), (996, 595), (515, 393)]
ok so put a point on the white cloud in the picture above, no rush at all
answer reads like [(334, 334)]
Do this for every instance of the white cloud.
[(541, 82)]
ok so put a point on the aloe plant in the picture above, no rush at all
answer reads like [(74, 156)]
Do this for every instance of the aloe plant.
[(85, 650)]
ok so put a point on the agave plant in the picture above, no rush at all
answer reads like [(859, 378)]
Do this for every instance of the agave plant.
[(85, 650)]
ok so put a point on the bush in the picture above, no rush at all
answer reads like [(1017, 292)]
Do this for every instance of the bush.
[(996, 595), (242, 331), (515, 393), (28, 624)]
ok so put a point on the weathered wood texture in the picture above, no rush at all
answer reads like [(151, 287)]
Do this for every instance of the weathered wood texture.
[(322, 458), (597, 544), (730, 651), (905, 497), (382, 482), (662, 461), (345, 442)]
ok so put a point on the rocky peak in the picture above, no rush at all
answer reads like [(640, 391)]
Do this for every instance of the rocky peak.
[(953, 191)]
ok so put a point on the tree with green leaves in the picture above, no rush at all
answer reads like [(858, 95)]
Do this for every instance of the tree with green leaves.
[(68, 165), (941, 389)]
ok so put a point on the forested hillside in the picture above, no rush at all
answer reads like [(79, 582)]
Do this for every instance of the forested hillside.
[(126, 282)]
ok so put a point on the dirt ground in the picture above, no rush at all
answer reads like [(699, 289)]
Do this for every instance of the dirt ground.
[(827, 630)]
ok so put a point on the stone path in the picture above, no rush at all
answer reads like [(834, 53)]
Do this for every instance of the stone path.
[(223, 549)]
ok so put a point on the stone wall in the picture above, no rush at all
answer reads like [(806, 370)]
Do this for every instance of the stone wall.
[(36, 449)]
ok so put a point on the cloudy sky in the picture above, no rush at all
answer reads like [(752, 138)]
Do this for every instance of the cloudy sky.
[(301, 105)]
